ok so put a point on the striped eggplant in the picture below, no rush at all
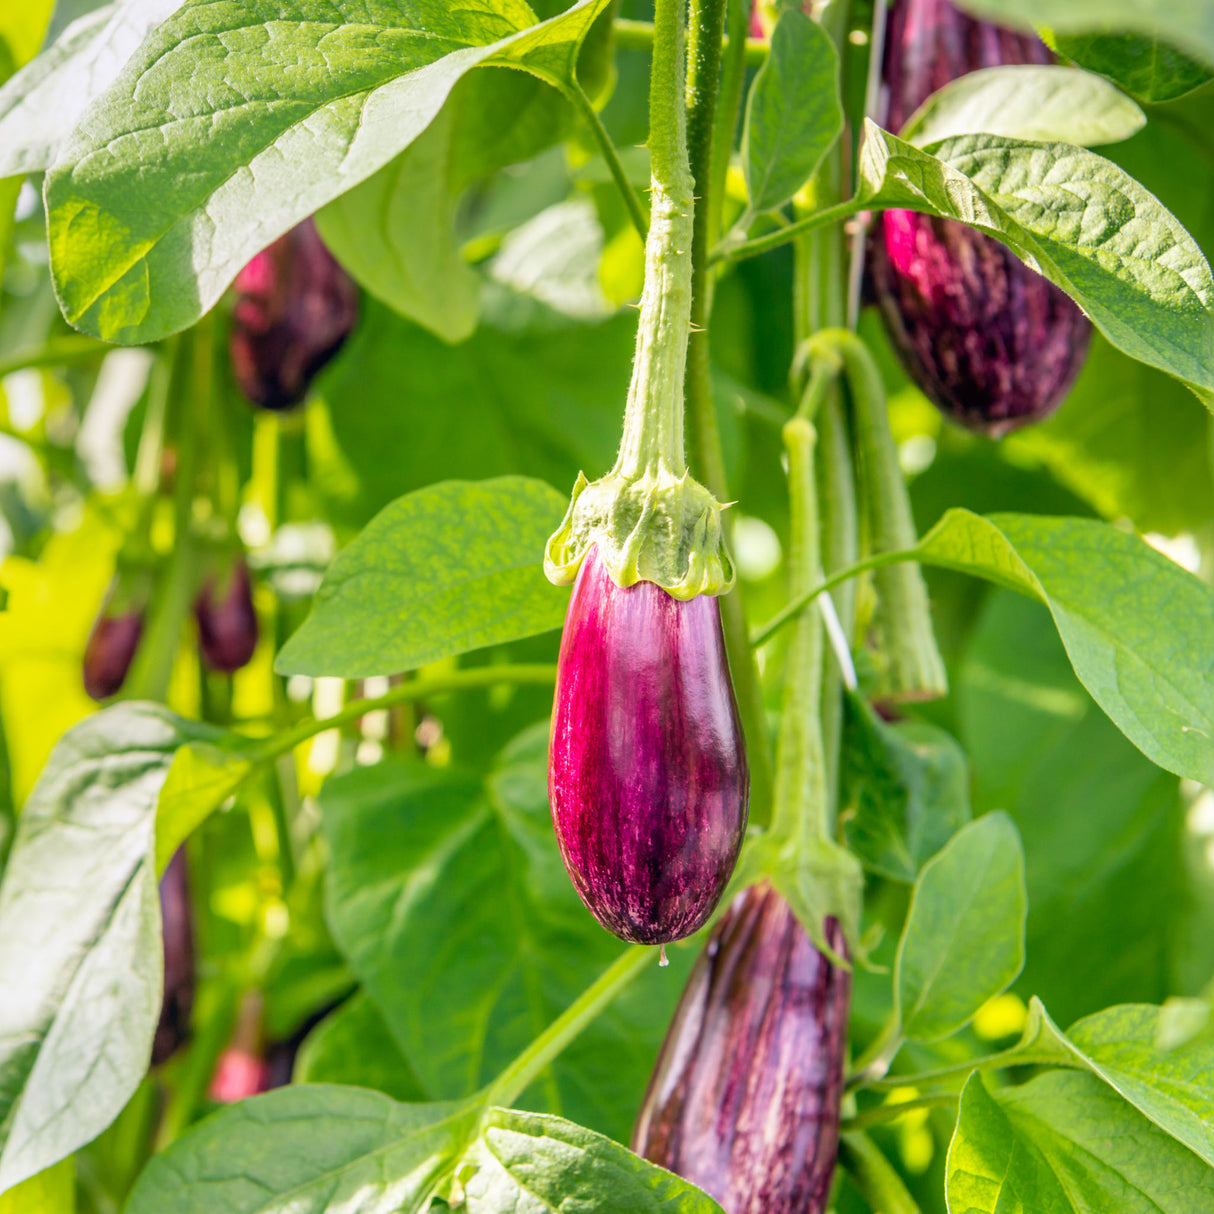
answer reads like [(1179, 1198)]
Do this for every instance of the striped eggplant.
[(744, 1100), (992, 343), (647, 769)]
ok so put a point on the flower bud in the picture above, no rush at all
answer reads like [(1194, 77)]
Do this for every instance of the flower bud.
[(647, 767), (991, 342), (744, 1099), (227, 621), (295, 306)]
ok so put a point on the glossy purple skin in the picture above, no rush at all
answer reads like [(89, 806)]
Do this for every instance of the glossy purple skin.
[(176, 920), (744, 1099), (647, 770), (110, 651), (992, 343), (295, 306), (227, 622)]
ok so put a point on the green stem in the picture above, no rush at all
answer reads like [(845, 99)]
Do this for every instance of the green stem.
[(632, 200), (891, 1112), (874, 1175), (58, 352), (875, 1061), (740, 250), (638, 36), (1015, 1055), (523, 1071), (729, 99)]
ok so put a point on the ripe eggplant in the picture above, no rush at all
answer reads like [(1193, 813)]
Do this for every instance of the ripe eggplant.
[(227, 621), (295, 306), (647, 769), (744, 1099), (111, 646), (991, 342), (176, 921)]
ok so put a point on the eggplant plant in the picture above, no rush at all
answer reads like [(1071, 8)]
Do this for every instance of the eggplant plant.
[(595, 736)]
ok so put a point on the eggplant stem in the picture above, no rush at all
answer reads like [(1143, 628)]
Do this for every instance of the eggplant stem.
[(632, 200)]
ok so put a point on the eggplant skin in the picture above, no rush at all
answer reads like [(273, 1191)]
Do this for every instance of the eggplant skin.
[(109, 652), (647, 772), (295, 307), (176, 921), (227, 621), (744, 1100), (991, 342)]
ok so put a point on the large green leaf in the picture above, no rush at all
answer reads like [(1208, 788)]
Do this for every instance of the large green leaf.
[(80, 953), (1065, 1144), (1138, 628), (441, 571), (1027, 101), (449, 899), (1185, 23), (234, 122), (324, 1149), (793, 114), (1146, 67), (1078, 219), (963, 941)]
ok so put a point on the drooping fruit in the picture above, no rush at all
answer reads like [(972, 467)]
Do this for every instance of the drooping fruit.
[(111, 646), (173, 1028), (295, 306), (744, 1099), (991, 342), (227, 620), (647, 768)]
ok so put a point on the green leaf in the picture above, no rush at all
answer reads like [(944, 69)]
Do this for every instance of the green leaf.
[(354, 1045), (233, 123), (80, 952), (1065, 1144), (470, 867), (1079, 220), (439, 572), (323, 1149), (963, 941), (793, 113), (1138, 628), (1188, 24), (201, 778), (904, 791), (1146, 67), (1026, 101), (52, 1191)]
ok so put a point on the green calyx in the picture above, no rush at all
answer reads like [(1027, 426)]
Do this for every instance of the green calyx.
[(659, 526)]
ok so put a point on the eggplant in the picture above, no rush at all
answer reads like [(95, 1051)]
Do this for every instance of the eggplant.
[(227, 620), (173, 1028), (112, 644), (744, 1099), (295, 307), (992, 343), (647, 775)]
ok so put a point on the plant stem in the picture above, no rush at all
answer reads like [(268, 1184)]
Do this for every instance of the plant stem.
[(653, 418), (59, 351), (519, 1075), (874, 1062), (632, 200), (773, 240), (638, 36), (891, 1112), (874, 1175), (729, 98)]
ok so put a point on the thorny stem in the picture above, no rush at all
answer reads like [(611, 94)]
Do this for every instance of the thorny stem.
[(632, 200)]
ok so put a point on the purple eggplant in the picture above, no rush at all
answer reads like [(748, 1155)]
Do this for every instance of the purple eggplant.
[(177, 924), (111, 646), (991, 342), (295, 306), (744, 1099), (647, 769), (227, 621)]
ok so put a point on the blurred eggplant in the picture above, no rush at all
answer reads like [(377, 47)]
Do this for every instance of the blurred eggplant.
[(227, 620), (647, 768), (991, 342), (295, 306), (112, 644), (744, 1100), (241, 1070), (173, 1028)]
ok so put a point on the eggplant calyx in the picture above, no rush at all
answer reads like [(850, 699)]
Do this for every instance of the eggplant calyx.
[(659, 526)]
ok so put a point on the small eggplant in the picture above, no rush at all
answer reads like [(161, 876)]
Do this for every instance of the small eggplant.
[(744, 1100), (176, 920), (295, 306), (111, 647), (991, 342), (227, 620), (647, 769)]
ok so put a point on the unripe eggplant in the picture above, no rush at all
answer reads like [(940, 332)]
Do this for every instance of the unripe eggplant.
[(744, 1099), (991, 342), (111, 646), (647, 768), (227, 621), (295, 306), (177, 925)]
